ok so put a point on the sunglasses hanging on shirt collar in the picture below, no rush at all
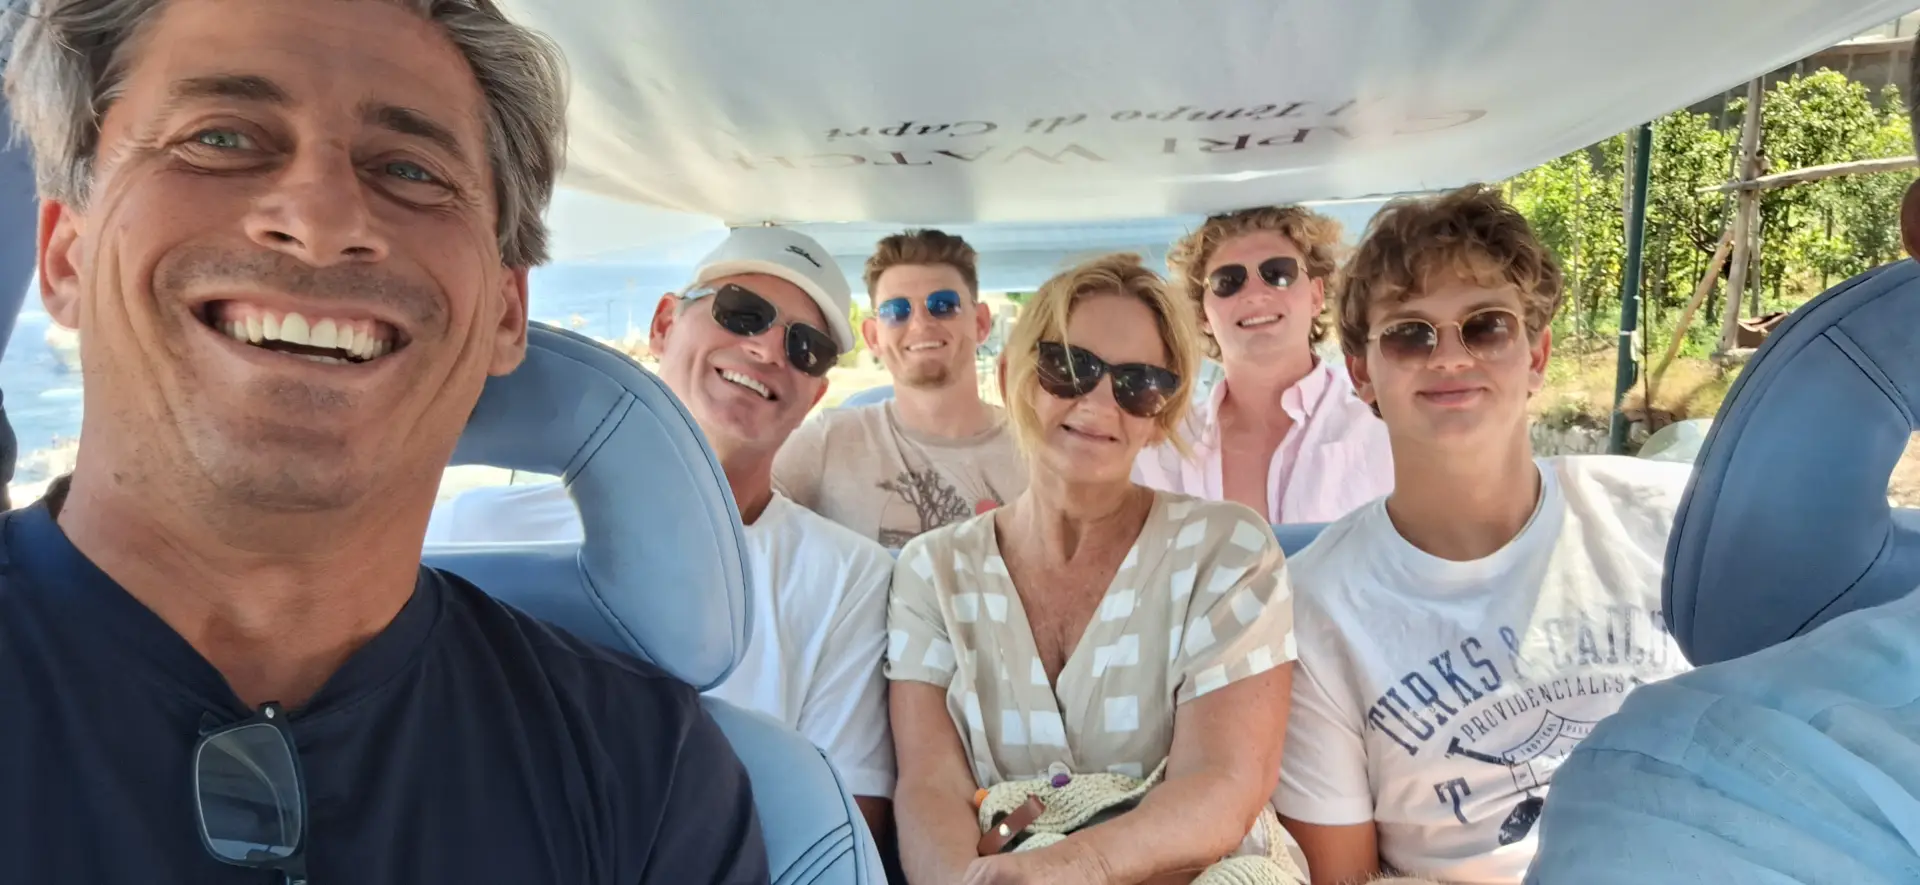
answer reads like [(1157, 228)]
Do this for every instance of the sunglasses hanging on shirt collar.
[(745, 313), (1227, 280), (249, 797)]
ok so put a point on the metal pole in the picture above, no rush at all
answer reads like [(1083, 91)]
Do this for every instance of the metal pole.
[(1626, 372)]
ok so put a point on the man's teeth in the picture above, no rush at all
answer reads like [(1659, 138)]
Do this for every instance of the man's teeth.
[(1256, 322), (925, 345), (747, 383), (356, 341)]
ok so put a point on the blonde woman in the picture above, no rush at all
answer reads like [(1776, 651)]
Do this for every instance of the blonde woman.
[(1091, 624), (1283, 432)]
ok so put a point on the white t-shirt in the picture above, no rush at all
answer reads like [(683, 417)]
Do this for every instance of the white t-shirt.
[(1436, 698), (820, 613)]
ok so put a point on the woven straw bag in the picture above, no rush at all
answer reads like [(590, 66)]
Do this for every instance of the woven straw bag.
[(1084, 800)]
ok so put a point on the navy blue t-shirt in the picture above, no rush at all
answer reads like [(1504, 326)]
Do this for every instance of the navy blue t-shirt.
[(466, 743)]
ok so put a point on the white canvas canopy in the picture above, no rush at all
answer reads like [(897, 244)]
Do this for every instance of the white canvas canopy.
[(744, 111)]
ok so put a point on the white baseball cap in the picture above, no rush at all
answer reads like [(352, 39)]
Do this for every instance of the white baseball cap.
[(791, 256)]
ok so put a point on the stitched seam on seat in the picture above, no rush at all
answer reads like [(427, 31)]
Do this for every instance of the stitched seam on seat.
[(844, 834), (597, 440), (1729, 429), (1857, 355), (855, 820), (599, 597), (821, 857), (818, 844), (623, 408)]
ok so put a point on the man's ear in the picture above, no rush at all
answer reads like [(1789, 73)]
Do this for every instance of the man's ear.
[(1537, 357), (1362, 380), (664, 314), (58, 263), (982, 320), (510, 337), (870, 333), (1910, 220)]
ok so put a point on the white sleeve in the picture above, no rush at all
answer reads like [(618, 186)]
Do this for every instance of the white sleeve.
[(1238, 621), (1323, 767), (845, 710)]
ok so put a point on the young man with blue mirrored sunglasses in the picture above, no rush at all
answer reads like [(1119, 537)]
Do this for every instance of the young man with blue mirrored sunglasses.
[(936, 452)]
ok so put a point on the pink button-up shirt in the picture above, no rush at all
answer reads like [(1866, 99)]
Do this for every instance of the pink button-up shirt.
[(1335, 458)]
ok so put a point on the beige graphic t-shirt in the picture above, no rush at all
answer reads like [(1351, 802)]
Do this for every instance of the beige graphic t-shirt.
[(1200, 602), (865, 470)]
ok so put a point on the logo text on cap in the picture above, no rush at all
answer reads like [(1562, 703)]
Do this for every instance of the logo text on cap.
[(803, 254)]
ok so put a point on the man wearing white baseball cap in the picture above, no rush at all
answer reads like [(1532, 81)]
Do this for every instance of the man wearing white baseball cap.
[(747, 347)]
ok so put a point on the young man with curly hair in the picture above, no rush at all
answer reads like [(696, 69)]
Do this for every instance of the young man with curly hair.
[(1458, 637), (1283, 433)]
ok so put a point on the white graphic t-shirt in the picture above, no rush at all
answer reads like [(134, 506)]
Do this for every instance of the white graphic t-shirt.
[(1436, 698)]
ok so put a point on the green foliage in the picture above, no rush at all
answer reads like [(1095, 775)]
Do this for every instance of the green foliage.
[(1820, 233), (1813, 235), (851, 358)]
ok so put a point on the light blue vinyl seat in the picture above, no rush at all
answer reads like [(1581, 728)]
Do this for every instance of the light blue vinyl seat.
[(867, 397), (660, 575), (1295, 536), (1786, 524)]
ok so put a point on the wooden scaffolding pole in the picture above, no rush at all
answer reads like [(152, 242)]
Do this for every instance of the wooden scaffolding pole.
[(1744, 215), (1815, 173), (1700, 293)]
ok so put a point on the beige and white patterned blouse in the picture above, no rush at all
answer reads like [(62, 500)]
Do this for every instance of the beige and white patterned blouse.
[(1201, 602)]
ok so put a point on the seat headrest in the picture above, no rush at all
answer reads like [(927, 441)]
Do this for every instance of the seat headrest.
[(867, 397), (661, 573), (1296, 536), (1785, 524)]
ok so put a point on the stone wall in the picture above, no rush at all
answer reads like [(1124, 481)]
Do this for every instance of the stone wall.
[(1548, 441)]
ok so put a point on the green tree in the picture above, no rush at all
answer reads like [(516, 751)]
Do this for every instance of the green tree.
[(1812, 235), (1574, 206), (851, 358), (1817, 234)]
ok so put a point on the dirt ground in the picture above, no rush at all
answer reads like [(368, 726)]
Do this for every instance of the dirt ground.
[(1904, 489)]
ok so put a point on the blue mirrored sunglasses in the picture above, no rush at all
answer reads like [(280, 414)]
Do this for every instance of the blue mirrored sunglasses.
[(941, 305)]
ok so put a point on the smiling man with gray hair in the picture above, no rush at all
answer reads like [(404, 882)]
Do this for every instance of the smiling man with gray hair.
[(295, 238)]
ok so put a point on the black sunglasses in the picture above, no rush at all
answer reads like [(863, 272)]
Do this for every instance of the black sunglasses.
[(1227, 280), (743, 312), (1486, 335), (249, 797), (1139, 389)]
